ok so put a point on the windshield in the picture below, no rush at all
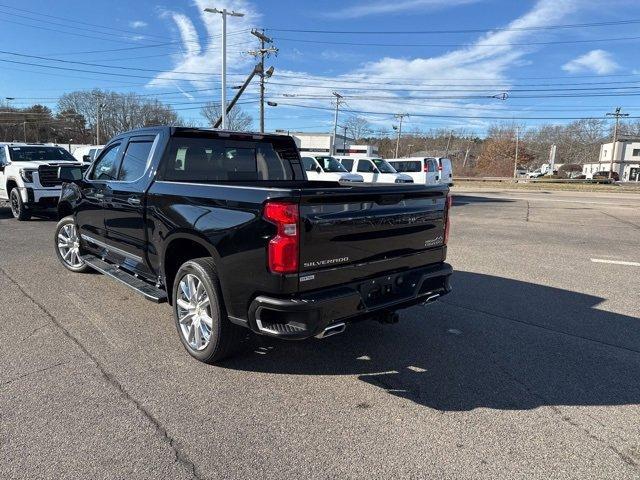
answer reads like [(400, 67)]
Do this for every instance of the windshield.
[(383, 165), (31, 154), (330, 164)]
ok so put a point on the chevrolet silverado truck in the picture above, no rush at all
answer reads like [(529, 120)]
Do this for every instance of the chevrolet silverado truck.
[(226, 228), (29, 176)]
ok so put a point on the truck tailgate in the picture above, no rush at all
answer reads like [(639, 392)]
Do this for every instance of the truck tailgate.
[(366, 230)]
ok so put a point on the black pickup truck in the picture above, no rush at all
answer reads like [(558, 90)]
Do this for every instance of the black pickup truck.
[(227, 229)]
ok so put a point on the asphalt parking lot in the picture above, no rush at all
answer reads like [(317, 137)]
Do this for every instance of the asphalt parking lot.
[(528, 369)]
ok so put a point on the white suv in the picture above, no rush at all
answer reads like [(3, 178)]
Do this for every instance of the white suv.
[(328, 169), (374, 170), (29, 176)]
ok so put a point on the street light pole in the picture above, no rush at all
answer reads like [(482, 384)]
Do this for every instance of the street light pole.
[(223, 97)]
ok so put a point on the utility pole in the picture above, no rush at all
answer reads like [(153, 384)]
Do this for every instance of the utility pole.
[(344, 141), (335, 123), (262, 52), (616, 114), (98, 106), (446, 152), (256, 70), (466, 153), (400, 117), (515, 162), (223, 96), (24, 127)]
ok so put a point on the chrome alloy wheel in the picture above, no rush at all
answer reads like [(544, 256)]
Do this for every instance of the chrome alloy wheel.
[(194, 312), (14, 201), (69, 245)]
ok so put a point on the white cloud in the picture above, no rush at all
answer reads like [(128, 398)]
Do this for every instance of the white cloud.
[(201, 59), (390, 7), (486, 61), (597, 61), (137, 24)]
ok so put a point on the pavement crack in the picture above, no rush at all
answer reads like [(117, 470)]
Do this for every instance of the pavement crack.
[(528, 211), (180, 456), (627, 222), (28, 374), (35, 330)]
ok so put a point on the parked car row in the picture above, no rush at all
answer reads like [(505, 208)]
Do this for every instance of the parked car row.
[(422, 170)]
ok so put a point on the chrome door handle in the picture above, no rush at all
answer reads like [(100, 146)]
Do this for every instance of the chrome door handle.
[(133, 201), (99, 195)]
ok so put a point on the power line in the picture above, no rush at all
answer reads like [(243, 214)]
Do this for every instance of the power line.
[(473, 44), (468, 117), (76, 22), (440, 32)]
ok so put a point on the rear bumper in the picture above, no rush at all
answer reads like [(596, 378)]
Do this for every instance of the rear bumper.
[(309, 314)]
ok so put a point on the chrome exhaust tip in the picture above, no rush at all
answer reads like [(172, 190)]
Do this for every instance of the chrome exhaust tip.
[(334, 329)]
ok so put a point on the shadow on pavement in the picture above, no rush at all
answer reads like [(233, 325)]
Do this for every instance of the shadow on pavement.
[(493, 343), (45, 215), (462, 199)]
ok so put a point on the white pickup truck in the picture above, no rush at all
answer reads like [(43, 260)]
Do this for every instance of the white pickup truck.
[(29, 176)]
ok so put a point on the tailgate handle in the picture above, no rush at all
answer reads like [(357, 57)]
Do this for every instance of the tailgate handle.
[(389, 199)]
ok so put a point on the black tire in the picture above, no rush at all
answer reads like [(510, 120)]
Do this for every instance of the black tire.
[(18, 208), (225, 336), (56, 241)]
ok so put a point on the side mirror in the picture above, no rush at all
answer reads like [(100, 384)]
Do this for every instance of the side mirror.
[(86, 158), (69, 174), (318, 169)]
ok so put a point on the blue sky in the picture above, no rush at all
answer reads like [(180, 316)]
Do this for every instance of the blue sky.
[(437, 60)]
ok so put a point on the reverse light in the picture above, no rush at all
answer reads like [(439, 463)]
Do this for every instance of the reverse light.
[(447, 222), (283, 250)]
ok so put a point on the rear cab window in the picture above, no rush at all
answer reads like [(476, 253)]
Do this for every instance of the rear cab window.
[(198, 159)]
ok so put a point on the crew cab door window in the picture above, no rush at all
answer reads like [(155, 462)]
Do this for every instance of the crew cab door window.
[(365, 166), (106, 167), (135, 160), (309, 164), (347, 163)]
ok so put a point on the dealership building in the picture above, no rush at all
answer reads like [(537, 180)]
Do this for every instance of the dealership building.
[(321, 143), (626, 159)]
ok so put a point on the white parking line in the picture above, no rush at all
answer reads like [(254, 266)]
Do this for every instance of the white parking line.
[(615, 262)]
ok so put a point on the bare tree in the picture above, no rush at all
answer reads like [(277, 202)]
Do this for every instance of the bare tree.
[(237, 119), (117, 112), (358, 128)]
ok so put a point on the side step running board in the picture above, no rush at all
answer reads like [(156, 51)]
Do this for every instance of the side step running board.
[(148, 291)]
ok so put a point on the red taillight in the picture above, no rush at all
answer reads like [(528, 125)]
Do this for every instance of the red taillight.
[(284, 247), (447, 222)]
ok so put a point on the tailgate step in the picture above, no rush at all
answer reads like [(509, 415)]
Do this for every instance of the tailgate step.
[(147, 290)]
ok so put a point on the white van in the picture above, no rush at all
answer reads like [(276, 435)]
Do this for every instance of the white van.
[(374, 170), (328, 169), (87, 153), (422, 170)]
